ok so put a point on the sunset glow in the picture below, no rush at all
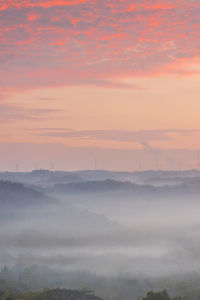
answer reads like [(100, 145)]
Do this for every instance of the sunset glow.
[(100, 78)]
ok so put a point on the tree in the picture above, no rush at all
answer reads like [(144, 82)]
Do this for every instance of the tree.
[(157, 296)]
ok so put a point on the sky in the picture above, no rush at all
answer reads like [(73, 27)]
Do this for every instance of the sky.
[(111, 84)]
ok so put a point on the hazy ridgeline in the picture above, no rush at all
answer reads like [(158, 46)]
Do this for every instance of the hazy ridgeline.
[(120, 234)]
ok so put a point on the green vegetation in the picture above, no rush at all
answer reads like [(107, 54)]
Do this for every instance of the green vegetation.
[(67, 294), (55, 294), (157, 296), (161, 296)]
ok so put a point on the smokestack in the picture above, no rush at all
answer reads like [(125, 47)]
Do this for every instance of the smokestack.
[(36, 165)]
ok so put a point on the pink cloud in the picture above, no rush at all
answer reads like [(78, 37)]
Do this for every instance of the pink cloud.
[(11, 112), (46, 43)]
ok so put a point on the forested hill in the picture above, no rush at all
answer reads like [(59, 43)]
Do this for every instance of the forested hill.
[(109, 185), (11, 193)]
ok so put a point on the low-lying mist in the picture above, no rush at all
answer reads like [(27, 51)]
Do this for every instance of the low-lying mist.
[(113, 229)]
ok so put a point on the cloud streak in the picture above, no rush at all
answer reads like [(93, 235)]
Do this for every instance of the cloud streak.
[(142, 137), (10, 112)]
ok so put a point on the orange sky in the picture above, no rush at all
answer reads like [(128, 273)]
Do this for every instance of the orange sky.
[(116, 75)]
